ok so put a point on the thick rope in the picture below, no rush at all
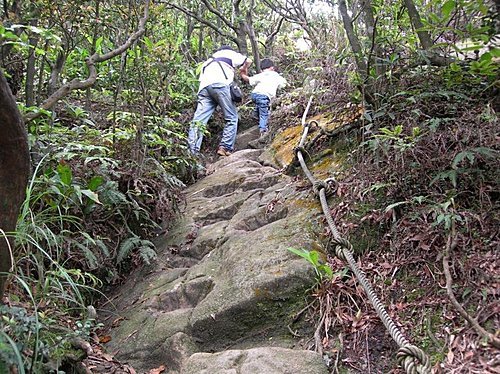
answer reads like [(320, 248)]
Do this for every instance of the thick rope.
[(410, 357)]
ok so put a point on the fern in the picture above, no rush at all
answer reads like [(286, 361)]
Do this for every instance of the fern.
[(148, 252), (146, 249), (88, 246), (170, 180), (470, 155), (111, 195), (91, 258)]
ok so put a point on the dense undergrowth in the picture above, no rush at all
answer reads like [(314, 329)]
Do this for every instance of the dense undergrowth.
[(422, 174), (97, 197)]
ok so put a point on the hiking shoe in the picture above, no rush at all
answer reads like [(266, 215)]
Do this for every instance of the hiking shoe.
[(264, 136), (223, 151)]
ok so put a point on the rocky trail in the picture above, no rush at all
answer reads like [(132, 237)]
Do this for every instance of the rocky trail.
[(226, 294)]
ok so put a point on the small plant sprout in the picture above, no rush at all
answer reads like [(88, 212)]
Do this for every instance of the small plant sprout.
[(322, 270)]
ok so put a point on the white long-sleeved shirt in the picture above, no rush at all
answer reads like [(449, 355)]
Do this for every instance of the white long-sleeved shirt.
[(267, 83), (211, 71)]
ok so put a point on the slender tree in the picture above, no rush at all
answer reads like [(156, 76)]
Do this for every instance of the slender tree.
[(30, 69), (423, 35), (362, 66)]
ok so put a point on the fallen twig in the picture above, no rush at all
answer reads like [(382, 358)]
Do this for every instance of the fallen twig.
[(450, 246)]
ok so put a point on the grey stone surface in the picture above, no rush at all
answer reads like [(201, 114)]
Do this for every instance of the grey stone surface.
[(242, 287), (267, 360)]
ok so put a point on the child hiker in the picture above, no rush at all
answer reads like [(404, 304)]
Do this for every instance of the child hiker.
[(266, 84)]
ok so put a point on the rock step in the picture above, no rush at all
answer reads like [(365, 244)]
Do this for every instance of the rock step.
[(225, 279)]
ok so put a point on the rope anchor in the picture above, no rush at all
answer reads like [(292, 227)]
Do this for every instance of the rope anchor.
[(413, 360), (298, 149), (330, 185), (339, 244)]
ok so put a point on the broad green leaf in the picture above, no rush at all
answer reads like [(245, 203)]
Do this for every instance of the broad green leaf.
[(148, 42), (327, 270), (314, 258), (64, 172), (98, 44), (486, 57), (299, 252), (447, 8), (495, 52), (91, 195), (95, 183)]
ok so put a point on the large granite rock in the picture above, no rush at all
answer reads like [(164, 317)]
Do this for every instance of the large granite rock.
[(224, 278), (256, 361)]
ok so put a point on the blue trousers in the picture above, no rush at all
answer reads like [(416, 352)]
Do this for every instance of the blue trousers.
[(209, 98), (262, 109)]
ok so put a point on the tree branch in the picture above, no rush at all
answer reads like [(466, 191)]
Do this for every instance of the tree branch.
[(213, 26), (283, 12), (275, 32), (211, 9), (77, 84)]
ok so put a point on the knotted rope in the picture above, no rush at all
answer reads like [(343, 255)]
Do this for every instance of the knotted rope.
[(411, 358)]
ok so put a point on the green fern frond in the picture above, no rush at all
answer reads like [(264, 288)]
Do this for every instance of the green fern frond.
[(146, 249), (148, 252), (126, 248)]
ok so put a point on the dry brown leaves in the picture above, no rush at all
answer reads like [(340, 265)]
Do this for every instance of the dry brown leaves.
[(404, 266)]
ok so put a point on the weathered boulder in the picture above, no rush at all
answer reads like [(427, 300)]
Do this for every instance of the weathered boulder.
[(224, 278), (268, 360)]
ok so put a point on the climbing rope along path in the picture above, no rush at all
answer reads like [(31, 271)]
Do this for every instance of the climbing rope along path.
[(411, 358)]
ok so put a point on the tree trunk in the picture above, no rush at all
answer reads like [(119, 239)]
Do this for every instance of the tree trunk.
[(30, 68), (253, 41), (55, 72), (41, 76), (241, 39), (240, 29), (371, 30), (367, 87), (95, 36), (353, 39), (14, 172), (423, 36), (200, 43)]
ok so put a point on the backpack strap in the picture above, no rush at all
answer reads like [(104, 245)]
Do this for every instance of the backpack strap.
[(218, 60), (224, 59), (225, 75)]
